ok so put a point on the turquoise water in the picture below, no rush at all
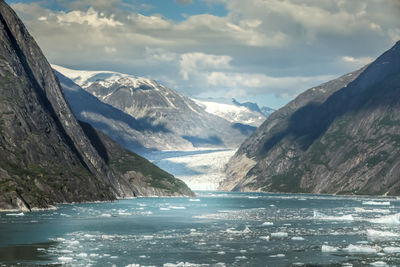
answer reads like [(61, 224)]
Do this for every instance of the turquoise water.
[(213, 229)]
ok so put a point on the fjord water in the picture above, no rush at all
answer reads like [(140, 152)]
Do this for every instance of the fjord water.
[(213, 229)]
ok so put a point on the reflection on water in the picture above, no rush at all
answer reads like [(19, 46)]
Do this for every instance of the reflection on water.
[(26, 253), (213, 229)]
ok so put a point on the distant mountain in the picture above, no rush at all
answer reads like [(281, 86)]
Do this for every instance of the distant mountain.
[(46, 155), (266, 111), (234, 113), (341, 137), (140, 113)]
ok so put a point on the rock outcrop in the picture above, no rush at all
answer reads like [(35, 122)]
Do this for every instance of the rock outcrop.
[(341, 137), (45, 155)]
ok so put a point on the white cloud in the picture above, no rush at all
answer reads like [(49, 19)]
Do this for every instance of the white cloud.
[(194, 63), (259, 46), (256, 83), (356, 62), (91, 17)]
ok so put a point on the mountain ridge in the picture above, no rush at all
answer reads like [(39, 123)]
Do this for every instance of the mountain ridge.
[(45, 155), (175, 122), (330, 139)]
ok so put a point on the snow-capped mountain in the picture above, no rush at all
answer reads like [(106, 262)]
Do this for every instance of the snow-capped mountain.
[(266, 111), (139, 112), (233, 113)]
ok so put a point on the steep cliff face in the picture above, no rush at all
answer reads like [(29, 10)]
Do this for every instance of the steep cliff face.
[(136, 174), (45, 156), (340, 137)]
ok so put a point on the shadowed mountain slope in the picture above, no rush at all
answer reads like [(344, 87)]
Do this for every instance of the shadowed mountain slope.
[(45, 155), (339, 137)]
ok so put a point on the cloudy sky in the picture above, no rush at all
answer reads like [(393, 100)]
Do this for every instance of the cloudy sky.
[(266, 51)]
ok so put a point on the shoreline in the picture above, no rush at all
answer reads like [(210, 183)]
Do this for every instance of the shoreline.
[(55, 206)]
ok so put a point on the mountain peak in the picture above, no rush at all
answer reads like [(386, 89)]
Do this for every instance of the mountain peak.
[(342, 139)]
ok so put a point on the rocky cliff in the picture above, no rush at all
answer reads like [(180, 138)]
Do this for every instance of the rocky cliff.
[(45, 155), (340, 137)]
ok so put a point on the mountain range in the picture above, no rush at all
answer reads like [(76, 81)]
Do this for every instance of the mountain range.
[(140, 114), (46, 155), (341, 137)]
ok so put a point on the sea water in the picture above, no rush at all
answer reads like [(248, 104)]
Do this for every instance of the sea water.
[(212, 229)]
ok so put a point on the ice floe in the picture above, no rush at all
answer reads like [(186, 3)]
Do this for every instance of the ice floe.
[(376, 203), (279, 234), (297, 238), (267, 224), (379, 263), (389, 219), (326, 248), (15, 214), (376, 234), (390, 250), (361, 249), (321, 216)]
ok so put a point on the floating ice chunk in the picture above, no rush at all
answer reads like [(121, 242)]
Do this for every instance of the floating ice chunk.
[(376, 203), (107, 237), (147, 213), (297, 238), (279, 234), (194, 199), (165, 209), (277, 256), (354, 249), (177, 207), (241, 257), (15, 214), (379, 263), (246, 230), (147, 237), (321, 216), (264, 237), (381, 234), (82, 255), (124, 213), (105, 215), (326, 248), (362, 210), (72, 242), (253, 197), (267, 224), (65, 251), (389, 219), (221, 252), (65, 259), (390, 250)]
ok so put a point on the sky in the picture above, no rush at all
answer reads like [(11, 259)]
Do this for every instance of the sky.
[(265, 51)]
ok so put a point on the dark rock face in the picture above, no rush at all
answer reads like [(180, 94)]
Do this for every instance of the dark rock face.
[(340, 137), (45, 156), (136, 175)]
